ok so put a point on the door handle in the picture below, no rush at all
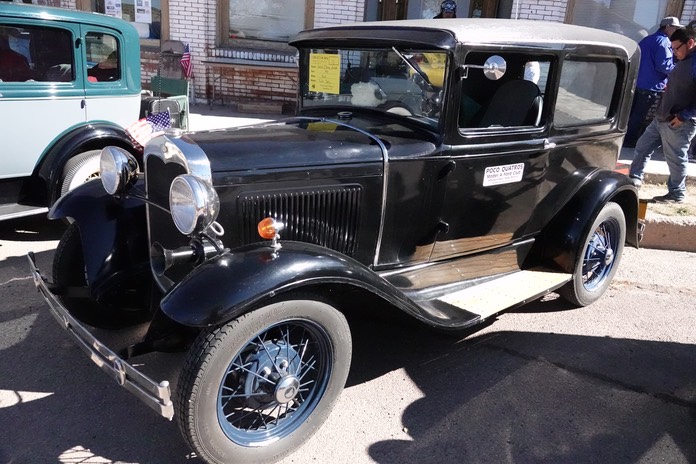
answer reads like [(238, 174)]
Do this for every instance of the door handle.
[(83, 103), (548, 145)]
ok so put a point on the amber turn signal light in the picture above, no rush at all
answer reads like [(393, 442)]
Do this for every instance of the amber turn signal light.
[(269, 228)]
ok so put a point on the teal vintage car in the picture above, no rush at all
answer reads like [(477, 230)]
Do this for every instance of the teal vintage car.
[(69, 85)]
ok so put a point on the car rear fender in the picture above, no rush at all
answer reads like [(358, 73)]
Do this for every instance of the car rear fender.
[(113, 231), (234, 282), (562, 238)]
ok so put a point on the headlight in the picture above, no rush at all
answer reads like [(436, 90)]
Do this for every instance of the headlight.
[(118, 169), (194, 204)]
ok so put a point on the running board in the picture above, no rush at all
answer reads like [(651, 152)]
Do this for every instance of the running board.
[(482, 301), (14, 211)]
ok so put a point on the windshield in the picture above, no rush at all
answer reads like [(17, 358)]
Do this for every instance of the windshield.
[(403, 82)]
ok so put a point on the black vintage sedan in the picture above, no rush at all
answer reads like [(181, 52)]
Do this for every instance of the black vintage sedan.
[(452, 168)]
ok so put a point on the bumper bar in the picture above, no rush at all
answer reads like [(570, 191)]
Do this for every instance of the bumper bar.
[(155, 395)]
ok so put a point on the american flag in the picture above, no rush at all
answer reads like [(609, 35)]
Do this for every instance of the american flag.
[(151, 126), (186, 63)]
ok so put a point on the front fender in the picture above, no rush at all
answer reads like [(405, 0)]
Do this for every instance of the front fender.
[(113, 232), (228, 285), (564, 235)]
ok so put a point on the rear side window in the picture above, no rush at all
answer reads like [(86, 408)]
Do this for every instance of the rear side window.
[(34, 53), (103, 57), (585, 92)]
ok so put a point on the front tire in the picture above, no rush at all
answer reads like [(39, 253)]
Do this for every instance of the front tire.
[(599, 258), (256, 388), (69, 273)]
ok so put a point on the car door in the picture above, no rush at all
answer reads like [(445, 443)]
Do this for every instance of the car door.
[(112, 91), (499, 160), (47, 100)]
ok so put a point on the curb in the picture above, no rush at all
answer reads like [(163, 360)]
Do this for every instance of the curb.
[(666, 233)]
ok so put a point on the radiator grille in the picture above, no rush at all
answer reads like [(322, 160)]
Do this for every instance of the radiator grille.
[(327, 216)]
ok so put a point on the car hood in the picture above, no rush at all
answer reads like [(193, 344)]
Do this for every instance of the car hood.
[(305, 142)]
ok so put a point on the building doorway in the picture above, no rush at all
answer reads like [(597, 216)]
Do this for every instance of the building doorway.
[(393, 9), (483, 9)]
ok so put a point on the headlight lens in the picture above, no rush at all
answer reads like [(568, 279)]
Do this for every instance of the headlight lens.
[(194, 204), (118, 169)]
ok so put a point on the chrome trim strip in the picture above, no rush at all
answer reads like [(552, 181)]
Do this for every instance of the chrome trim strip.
[(385, 181), (155, 395)]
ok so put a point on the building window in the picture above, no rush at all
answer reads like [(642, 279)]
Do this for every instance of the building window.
[(634, 19), (149, 17), (585, 92), (268, 20)]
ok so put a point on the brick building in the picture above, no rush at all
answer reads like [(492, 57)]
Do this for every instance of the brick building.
[(239, 47)]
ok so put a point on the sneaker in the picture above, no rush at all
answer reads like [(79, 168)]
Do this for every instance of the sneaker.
[(636, 181), (669, 198)]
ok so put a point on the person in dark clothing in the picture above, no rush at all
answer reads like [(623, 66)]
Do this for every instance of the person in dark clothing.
[(107, 70), (14, 66), (656, 62), (674, 125), (448, 9)]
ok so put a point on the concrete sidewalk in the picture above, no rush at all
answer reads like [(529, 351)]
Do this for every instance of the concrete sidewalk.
[(203, 117), (670, 233)]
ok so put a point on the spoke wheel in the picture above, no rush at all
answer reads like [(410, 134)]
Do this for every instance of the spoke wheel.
[(599, 258), (259, 386)]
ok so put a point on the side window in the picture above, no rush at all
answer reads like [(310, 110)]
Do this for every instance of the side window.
[(103, 58), (509, 93), (34, 53), (585, 92)]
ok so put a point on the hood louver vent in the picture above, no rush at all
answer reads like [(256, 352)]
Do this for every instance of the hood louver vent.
[(325, 216)]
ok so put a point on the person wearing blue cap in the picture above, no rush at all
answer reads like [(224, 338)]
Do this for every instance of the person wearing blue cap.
[(448, 9)]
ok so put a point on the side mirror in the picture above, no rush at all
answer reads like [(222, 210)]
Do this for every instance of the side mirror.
[(494, 68)]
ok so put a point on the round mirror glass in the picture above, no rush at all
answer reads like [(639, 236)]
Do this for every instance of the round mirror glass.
[(494, 68)]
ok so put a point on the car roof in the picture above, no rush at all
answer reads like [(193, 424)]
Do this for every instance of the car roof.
[(446, 33), (39, 12)]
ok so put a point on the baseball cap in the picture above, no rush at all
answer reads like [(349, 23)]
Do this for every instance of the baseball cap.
[(448, 5), (670, 21)]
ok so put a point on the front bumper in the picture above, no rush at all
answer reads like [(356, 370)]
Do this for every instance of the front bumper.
[(156, 395)]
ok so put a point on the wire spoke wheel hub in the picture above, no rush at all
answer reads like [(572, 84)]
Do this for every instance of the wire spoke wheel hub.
[(273, 384)]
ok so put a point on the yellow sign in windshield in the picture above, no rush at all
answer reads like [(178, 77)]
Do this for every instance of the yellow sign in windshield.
[(324, 73)]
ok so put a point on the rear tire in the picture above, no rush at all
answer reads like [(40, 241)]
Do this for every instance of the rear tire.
[(256, 388), (598, 258)]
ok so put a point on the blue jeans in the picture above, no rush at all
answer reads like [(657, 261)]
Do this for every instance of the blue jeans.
[(642, 102), (675, 145)]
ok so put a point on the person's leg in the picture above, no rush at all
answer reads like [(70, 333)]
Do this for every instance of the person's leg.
[(646, 145), (639, 110), (676, 147)]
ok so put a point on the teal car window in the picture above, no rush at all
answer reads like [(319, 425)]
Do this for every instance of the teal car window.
[(103, 59), (34, 53)]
